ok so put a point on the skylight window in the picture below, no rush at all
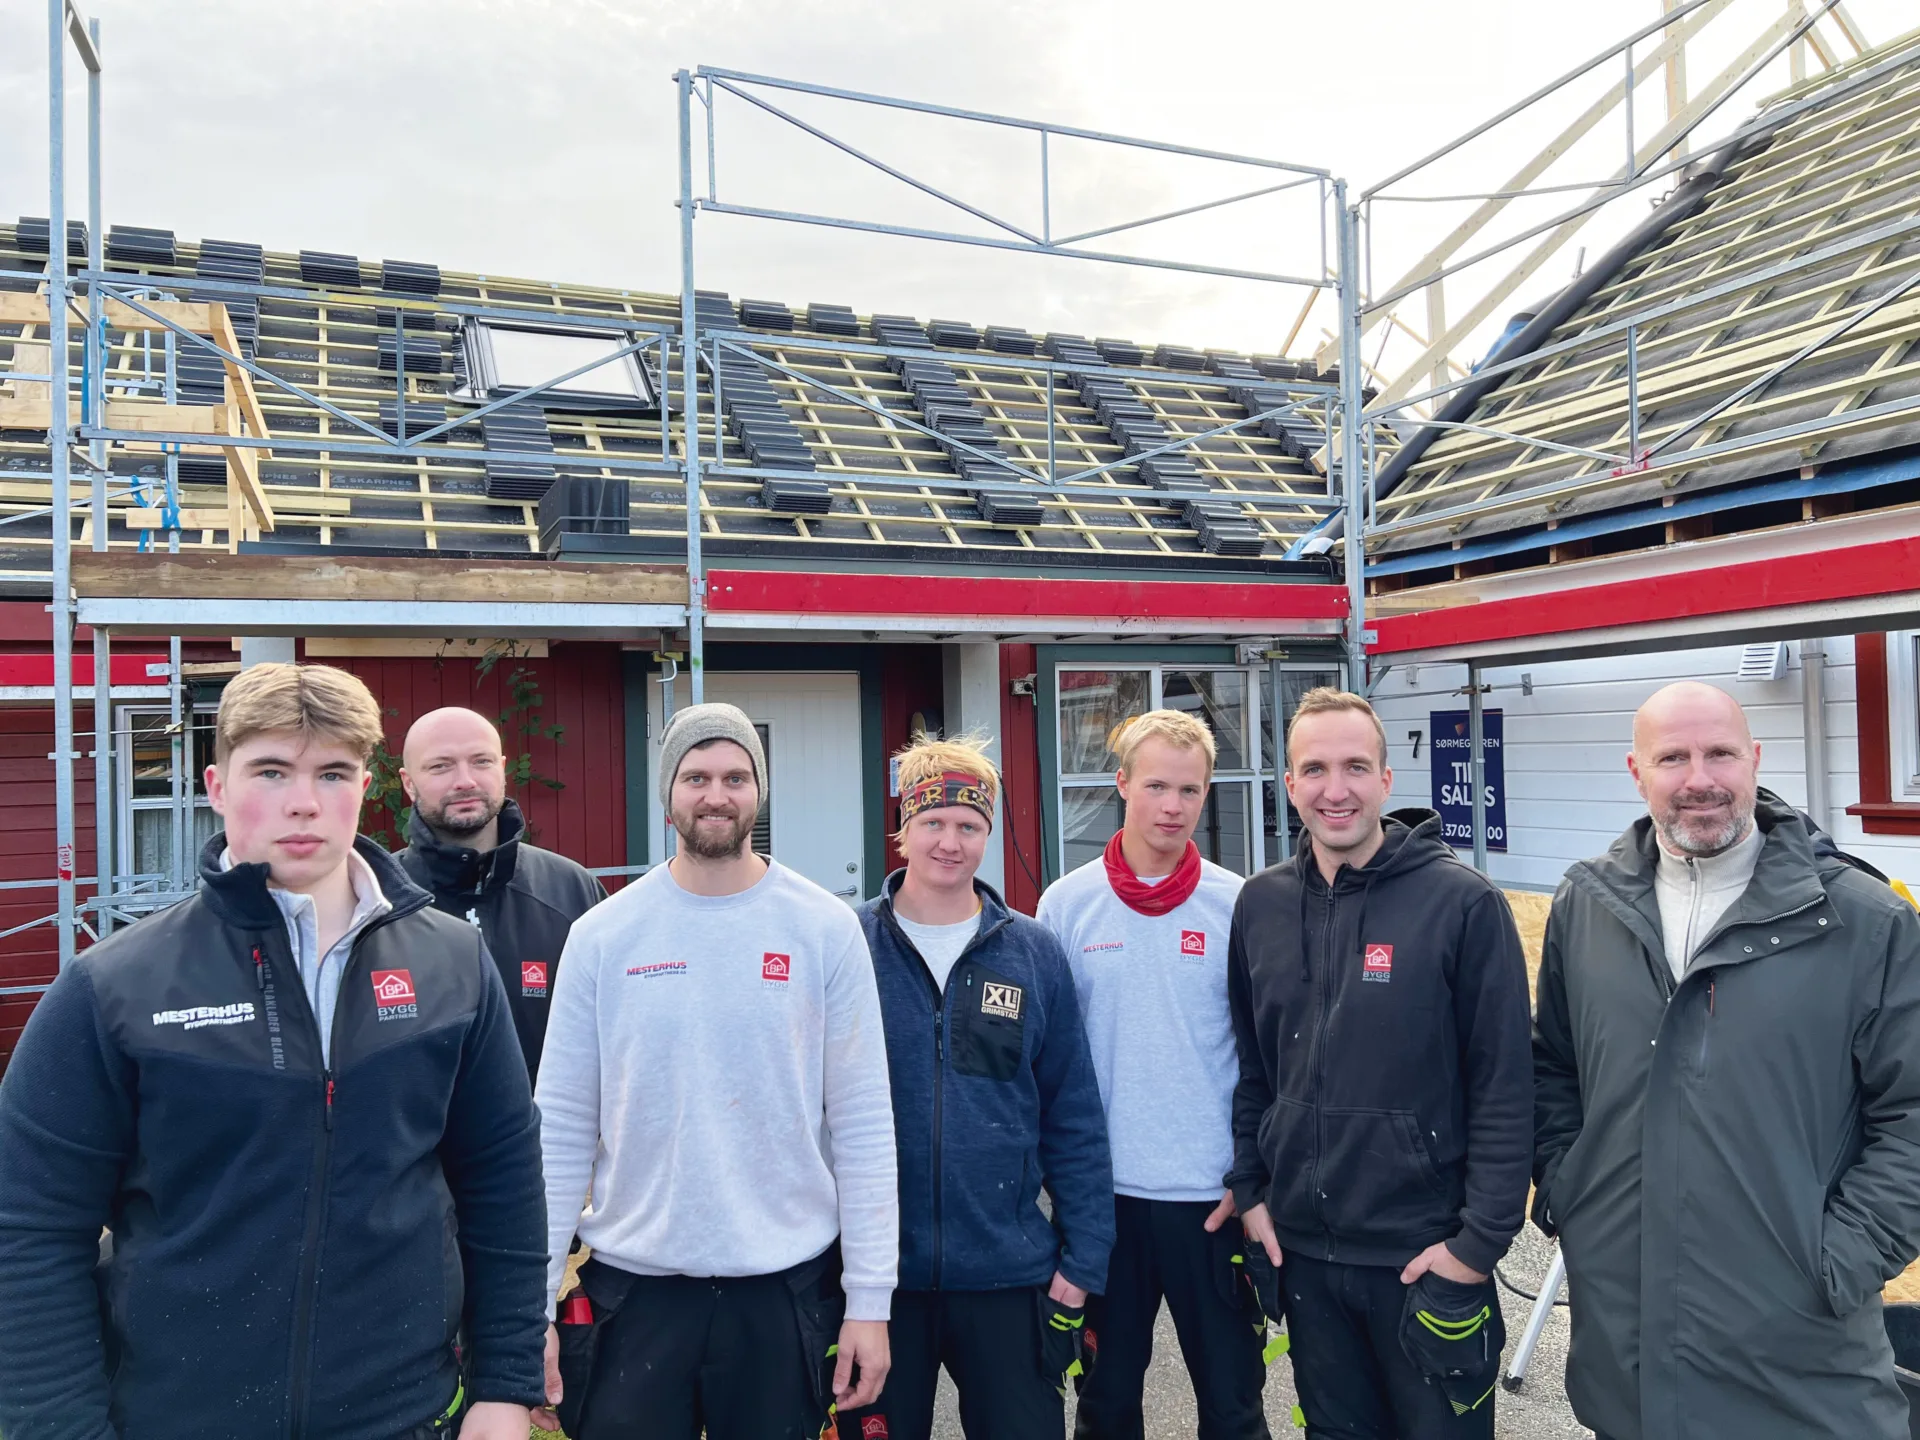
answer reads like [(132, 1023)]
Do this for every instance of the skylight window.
[(502, 359)]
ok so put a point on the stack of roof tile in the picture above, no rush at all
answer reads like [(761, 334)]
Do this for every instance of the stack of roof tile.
[(950, 413)]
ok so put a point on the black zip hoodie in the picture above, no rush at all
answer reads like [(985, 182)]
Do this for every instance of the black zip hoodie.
[(1385, 1099), (523, 899), (297, 1242)]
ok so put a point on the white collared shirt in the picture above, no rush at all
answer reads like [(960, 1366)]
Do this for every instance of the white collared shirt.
[(321, 973)]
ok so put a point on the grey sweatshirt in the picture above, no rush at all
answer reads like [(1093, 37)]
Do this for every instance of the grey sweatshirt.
[(716, 1068), (1153, 989)]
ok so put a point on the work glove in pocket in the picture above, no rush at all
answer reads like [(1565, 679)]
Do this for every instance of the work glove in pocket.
[(1454, 1333), (1065, 1357)]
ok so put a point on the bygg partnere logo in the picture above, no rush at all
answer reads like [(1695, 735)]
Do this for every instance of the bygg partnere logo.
[(393, 995)]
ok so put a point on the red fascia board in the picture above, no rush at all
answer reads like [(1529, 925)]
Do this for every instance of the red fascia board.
[(37, 670), (1884, 568), (947, 597)]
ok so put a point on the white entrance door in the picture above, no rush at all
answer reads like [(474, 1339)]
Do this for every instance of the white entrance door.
[(813, 820)]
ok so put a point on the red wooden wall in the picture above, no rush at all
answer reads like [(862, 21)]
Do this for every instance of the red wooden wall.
[(26, 852), (911, 679), (581, 691), (1020, 773)]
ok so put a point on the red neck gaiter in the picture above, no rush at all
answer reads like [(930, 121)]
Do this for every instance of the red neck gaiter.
[(1170, 894)]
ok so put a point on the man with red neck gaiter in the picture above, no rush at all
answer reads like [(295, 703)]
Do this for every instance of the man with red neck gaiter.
[(1145, 931)]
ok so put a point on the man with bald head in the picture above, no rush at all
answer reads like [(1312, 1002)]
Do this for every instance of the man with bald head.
[(1727, 1105), (466, 845)]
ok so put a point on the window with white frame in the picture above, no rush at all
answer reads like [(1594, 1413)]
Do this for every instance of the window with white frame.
[(1903, 717), (502, 359), (145, 747), (1247, 824)]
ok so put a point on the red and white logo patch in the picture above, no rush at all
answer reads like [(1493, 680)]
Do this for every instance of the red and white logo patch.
[(393, 995), (776, 967), (1378, 964), (1193, 942), (874, 1427), (533, 978)]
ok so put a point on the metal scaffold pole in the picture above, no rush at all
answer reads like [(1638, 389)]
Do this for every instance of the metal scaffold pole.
[(59, 441), (1477, 770), (690, 401), (95, 391), (1353, 479)]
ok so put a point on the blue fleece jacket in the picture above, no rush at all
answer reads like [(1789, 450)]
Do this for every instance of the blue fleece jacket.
[(994, 1096)]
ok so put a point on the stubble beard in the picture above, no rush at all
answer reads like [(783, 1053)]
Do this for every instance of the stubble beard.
[(1677, 834), (442, 823), (705, 845)]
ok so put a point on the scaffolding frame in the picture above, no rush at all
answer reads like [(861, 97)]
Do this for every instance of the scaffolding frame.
[(82, 446), (1405, 399), (700, 86)]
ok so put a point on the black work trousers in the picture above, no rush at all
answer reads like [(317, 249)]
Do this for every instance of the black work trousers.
[(990, 1342), (742, 1358), (1351, 1370), (1162, 1251)]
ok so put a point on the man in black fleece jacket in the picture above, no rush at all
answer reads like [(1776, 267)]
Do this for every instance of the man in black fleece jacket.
[(296, 1103), (467, 847), (1382, 1122)]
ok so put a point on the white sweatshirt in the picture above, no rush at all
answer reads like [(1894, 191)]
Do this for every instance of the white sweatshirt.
[(716, 1066), (1154, 992)]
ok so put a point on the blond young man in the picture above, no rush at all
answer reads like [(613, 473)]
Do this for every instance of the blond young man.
[(284, 1097), (1382, 1122), (1145, 931), (991, 1081)]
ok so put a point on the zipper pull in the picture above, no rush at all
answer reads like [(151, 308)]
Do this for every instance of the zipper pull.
[(259, 970), (473, 917), (1709, 996), (939, 1039), (329, 1075)]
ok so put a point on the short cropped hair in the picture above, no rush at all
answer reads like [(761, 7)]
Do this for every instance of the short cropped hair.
[(1175, 727), (928, 759), (1326, 700), (316, 700)]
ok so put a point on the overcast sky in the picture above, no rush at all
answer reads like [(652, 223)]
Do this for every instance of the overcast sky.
[(537, 137)]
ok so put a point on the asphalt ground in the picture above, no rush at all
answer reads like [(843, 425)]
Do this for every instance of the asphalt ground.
[(1538, 1411)]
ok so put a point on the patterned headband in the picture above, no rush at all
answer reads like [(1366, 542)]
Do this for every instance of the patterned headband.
[(952, 788)]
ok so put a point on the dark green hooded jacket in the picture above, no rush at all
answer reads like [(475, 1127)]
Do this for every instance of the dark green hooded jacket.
[(1732, 1163)]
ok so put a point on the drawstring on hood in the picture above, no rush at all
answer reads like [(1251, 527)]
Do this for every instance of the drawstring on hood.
[(1407, 844)]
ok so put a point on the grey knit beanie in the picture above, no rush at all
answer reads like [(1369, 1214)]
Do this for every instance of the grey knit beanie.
[(698, 724)]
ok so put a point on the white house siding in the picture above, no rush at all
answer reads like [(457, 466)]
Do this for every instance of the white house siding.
[(1568, 792)]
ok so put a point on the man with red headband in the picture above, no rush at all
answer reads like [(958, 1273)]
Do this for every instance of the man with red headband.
[(1146, 934), (993, 1097)]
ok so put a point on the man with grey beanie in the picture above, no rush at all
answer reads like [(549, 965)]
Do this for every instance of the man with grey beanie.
[(716, 1071)]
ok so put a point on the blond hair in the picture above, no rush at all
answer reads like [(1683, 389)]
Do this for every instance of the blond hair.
[(316, 700), (1326, 700), (1175, 727), (928, 758)]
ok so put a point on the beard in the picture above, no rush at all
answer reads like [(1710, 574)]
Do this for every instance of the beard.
[(703, 842), (462, 827), (1696, 835)]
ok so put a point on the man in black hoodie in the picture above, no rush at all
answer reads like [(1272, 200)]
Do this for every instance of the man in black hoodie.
[(1382, 1123), (465, 845)]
